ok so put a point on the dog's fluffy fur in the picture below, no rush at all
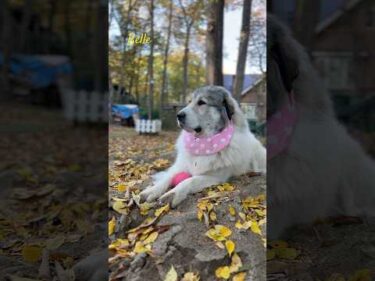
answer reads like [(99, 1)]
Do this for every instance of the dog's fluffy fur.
[(324, 172), (244, 153)]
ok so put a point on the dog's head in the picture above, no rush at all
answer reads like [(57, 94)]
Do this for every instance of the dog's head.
[(209, 110), (282, 64)]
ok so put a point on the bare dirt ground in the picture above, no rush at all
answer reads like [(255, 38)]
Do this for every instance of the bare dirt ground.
[(214, 235)]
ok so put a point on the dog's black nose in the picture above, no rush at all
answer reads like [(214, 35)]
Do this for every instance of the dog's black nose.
[(181, 116)]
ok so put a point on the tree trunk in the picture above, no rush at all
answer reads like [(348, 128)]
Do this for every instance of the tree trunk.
[(163, 94), (150, 103), (51, 17), (214, 42), (242, 51), (6, 50), (101, 44), (124, 27), (307, 16), (27, 10), (137, 85), (185, 62), (67, 26)]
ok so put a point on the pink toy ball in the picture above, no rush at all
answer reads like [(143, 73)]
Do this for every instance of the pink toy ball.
[(180, 177)]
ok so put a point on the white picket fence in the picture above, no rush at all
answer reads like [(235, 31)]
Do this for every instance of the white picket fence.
[(83, 106), (147, 126)]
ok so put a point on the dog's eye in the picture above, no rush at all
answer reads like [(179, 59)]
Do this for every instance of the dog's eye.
[(201, 102)]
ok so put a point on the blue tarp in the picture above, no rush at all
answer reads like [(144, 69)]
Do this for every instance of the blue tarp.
[(35, 70), (124, 110)]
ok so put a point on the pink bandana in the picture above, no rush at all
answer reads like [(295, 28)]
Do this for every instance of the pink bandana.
[(280, 128), (208, 145)]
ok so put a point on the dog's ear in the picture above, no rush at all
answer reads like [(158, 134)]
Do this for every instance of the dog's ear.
[(287, 65), (281, 50), (228, 105)]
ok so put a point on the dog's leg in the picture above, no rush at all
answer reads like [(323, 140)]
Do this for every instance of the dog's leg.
[(259, 164), (154, 191), (190, 186)]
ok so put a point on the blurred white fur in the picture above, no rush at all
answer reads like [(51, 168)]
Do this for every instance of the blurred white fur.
[(325, 172)]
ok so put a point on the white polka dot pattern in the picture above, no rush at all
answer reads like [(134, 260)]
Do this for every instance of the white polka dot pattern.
[(208, 145)]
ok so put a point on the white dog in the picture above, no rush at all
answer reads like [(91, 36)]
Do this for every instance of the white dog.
[(215, 144), (323, 172)]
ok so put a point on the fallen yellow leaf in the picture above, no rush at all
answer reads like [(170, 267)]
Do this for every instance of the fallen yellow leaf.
[(230, 246), (213, 216), (161, 210), (236, 263), (171, 275), (287, 253), (144, 208), (223, 272), (244, 225), (119, 243), (255, 227), (242, 216), (141, 248), (361, 275), (223, 230), (151, 238), (232, 211), (218, 233), (111, 226), (191, 276), (200, 215), (120, 207), (31, 253), (121, 187), (239, 276)]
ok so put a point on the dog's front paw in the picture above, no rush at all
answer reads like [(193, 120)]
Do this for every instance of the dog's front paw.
[(152, 192), (174, 197)]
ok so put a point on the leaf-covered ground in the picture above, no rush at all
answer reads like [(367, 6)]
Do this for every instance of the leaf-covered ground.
[(217, 234), (53, 211), (337, 249)]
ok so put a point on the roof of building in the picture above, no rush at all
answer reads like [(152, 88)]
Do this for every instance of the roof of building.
[(336, 14), (330, 11), (246, 90), (249, 81)]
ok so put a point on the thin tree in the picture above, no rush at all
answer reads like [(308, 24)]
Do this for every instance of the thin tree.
[(123, 19), (307, 16), (7, 44), (190, 14), (163, 94), (101, 47), (214, 42), (27, 10), (150, 101), (242, 52)]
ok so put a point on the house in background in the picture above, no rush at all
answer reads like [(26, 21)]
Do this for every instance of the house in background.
[(343, 52), (254, 100), (253, 96)]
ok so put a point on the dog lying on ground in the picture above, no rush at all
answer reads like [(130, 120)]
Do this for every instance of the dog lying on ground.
[(321, 171), (215, 144)]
